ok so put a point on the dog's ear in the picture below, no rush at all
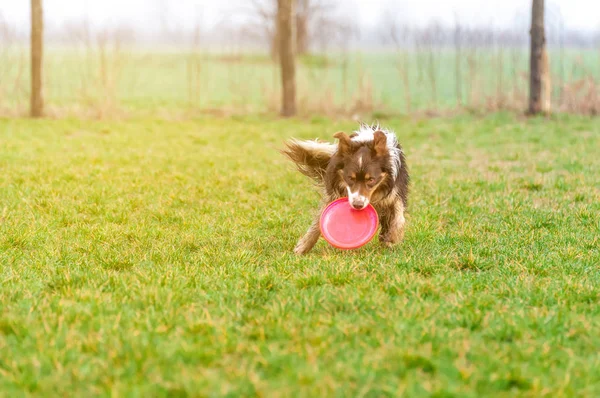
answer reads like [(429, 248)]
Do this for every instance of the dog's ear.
[(343, 142), (380, 143)]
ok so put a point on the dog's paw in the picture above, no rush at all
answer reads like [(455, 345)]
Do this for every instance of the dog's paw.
[(388, 241), (391, 239), (301, 248), (387, 244)]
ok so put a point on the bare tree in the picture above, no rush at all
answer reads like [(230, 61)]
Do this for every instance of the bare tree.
[(399, 38), (37, 50), (303, 14), (430, 39), (285, 27), (317, 19), (457, 60), (263, 23), (314, 20), (538, 62)]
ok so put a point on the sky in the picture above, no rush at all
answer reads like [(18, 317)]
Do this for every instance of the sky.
[(148, 14)]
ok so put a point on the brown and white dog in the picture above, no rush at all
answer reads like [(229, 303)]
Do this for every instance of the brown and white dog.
[(367, 166)]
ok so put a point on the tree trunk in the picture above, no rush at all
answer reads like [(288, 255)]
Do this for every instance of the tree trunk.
[(286, 22), (37, 50), (538, 63), (301, 32)]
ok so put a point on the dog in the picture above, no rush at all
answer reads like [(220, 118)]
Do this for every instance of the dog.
[(367, 166)]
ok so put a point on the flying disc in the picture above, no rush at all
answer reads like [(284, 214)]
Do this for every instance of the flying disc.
[(347, 228)]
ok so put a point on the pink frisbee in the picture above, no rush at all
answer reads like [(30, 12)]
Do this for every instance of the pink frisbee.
[(346, 228)]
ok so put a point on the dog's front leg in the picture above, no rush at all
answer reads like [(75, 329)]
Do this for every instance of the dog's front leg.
[(310, 238), (392, 225)]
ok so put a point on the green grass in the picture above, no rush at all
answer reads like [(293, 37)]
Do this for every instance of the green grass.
[(153, 258)]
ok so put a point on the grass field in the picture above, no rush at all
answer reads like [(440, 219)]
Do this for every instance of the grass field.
[(88, 81), (153, 258)]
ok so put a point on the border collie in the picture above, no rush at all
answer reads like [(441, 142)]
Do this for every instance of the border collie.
[(367, 166)]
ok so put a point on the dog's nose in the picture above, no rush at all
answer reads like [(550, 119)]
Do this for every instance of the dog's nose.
[(358, 204)]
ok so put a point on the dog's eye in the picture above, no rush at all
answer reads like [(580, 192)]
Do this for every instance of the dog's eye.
[(371, 181)]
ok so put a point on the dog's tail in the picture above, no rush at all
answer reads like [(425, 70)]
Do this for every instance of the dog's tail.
[(310, 157)]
